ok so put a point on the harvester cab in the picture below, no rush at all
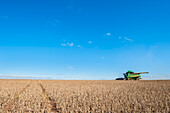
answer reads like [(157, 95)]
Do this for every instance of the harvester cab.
[(130, 75)]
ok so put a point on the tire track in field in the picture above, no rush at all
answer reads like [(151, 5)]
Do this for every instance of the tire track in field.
[(51, 104), (11, 104)]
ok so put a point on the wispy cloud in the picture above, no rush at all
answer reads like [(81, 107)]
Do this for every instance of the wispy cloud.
[(90, 42), (63, 44), (125, 39), (71, 44), (157, 77), (108, 34), (25, 77), (41, 77), (128, 39), (67, 44)]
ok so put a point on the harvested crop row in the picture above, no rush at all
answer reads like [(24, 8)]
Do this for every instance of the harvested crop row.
[(50, 102), (12, 103), (110, 96), (32, 100), (9, 91)]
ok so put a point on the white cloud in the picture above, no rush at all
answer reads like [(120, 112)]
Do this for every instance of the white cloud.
[(108, 34), (68, 44), (71, 44), (128, 39), (63, 44), (125, 39), (90, 42)]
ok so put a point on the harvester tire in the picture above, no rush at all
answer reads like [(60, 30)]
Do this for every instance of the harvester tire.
[(130, 78)]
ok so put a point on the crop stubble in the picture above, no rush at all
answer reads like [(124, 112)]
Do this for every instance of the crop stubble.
[(85, 96)]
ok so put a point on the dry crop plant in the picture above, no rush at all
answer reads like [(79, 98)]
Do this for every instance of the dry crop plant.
[(9, 90), (110, 96), (31, 100), (84, 96)]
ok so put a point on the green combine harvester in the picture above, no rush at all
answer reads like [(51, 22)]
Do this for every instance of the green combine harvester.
[(130, 75)]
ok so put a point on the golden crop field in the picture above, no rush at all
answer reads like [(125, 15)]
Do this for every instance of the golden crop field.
[(64, 96)]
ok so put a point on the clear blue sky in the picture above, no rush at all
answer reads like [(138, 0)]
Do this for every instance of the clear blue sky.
[(84, 39)]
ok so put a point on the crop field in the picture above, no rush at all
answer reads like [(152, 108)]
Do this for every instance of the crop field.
[(81, 96)]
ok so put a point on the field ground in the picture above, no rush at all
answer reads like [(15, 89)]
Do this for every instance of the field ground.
[(46, 96)]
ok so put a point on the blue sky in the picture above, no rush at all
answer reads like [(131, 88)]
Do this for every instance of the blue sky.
[(84, 39)]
